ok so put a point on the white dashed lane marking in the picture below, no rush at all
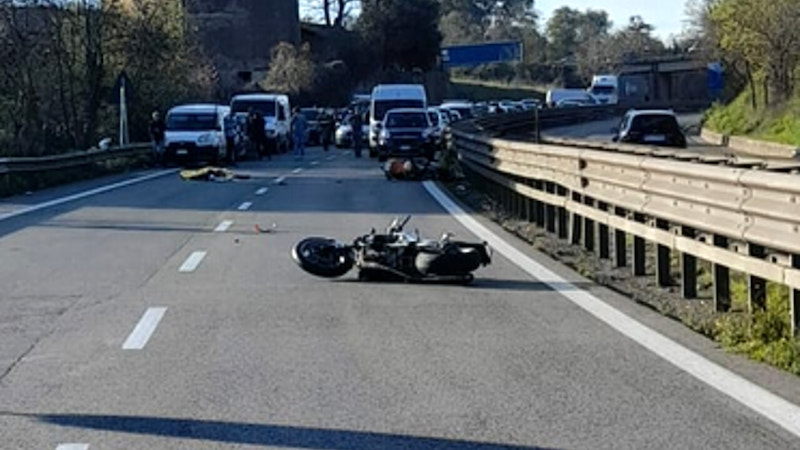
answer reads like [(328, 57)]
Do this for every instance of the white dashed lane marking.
[(262, 191), (144, 329), (73, 447), (223, 226), (245, 206), (298, 170), (192, 262), (280, 180)]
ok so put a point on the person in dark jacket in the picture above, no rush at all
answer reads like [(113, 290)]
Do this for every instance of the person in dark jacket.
[(157, 131), (357, 123)]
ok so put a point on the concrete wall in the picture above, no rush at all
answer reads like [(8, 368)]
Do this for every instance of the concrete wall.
[(239, 34)]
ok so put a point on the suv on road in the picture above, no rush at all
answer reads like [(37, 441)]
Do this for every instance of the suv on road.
[(650, 127), (406, 132)]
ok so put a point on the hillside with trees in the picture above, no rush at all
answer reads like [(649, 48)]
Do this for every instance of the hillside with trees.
[(758, 42)]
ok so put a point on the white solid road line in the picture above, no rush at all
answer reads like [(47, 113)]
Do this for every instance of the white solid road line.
[(191, 263), (82, 195), (262, 191), (144, 329), (298, 170), (223, 226), (764, 402), (73, 447), (245, 206)]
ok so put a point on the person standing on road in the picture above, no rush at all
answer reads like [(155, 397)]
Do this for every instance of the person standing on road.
[(257, 125), (230, 138), (299, 124), (327, 125), (157, 130), (357, 123)]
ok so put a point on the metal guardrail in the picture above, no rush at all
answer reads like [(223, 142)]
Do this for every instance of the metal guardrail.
[(70, 160), (735, 216)]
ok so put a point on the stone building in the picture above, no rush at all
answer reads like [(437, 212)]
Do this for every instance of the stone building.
[(239, 34)]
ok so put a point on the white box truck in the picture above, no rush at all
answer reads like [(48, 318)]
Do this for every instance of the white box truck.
[(386, 97)]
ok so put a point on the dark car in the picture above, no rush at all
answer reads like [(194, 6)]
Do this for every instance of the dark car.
[(406, 132), (650, 127)]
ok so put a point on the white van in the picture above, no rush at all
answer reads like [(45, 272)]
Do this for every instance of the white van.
[(195, 133), (277, 115), (386, 97), (554, 96), (605, 89)]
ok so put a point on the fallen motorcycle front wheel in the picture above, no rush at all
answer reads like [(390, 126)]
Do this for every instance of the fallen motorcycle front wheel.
[(322, 257)]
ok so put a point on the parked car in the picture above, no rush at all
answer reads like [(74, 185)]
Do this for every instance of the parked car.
[(438, 126), (195, 134), (343, 136), (406, 132), (650, 127)]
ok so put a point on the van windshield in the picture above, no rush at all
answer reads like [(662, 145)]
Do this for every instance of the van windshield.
[(603, 90), (191, 122), (381, 107), (407, 120), (265, 107)]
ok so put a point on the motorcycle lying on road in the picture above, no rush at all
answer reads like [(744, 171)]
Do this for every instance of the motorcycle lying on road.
[(393, 256)]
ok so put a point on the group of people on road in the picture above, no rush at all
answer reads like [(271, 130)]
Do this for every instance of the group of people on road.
[(254, 128)]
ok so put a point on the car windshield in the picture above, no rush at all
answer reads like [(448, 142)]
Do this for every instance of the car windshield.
[(603, 90), (434, 118), (655, 123), (381, 107), (407, 120), (191, 122), (265, 107)]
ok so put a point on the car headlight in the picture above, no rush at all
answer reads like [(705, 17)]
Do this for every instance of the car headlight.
[(205, 139), (385, 135)]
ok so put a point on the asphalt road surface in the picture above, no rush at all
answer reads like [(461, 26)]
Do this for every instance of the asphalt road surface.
[(601, 131), (154, 316)]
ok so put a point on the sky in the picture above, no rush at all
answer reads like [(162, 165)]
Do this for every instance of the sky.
[(666, 16)]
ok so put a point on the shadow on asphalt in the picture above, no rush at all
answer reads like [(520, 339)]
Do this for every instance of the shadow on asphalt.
[(265, 434), (484, 284)]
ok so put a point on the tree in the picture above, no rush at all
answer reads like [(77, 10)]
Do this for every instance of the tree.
[(764, 37), (291, 70), (334, 12), (404, 34), (568, 30)]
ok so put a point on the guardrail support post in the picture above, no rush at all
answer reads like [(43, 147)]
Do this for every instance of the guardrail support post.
[(550, 210), (722, 280), (795, 299), (605, 246), (756, 286), (620, 243), (538, 206), (688, 269), (588, 238), (577, 223), (563, 215), (663, 262), (639, 254)]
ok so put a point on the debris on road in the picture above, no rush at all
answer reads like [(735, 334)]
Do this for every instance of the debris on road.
[(261, 230), (210, 173)]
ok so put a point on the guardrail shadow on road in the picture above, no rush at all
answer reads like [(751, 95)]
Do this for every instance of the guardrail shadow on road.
[(265, 434)]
